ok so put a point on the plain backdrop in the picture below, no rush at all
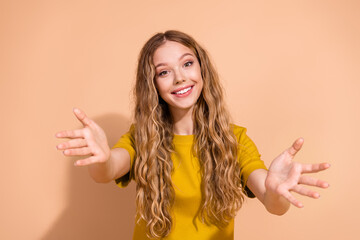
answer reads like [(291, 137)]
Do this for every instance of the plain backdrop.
[(289, 68)]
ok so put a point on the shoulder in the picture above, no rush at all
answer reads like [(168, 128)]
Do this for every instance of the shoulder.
[(247, 146), (131, 132), (127, 139), (241, 136), (238, 130)]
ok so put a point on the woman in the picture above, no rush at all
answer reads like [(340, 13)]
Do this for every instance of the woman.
[(190, 164)]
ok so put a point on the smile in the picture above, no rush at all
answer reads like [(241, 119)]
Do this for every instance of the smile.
[(183, 91)]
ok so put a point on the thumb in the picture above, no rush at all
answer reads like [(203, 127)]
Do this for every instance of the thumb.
[(296, 146), (81, 116)]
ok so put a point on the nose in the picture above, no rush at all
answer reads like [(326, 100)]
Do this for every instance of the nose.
[(179, 76)]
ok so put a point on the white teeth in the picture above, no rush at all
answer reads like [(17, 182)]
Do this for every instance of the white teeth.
[(183, 91)]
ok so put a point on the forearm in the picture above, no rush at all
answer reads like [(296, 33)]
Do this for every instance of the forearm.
[(101, 172), (116, 166)]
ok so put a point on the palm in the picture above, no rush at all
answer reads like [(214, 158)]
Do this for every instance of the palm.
[(89, 141), (285, 176)]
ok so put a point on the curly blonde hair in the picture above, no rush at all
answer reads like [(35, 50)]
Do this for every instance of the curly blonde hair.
[(215, 145)]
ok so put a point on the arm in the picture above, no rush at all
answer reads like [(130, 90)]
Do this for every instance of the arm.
[(103, 164), (116, 166), (273, 187)]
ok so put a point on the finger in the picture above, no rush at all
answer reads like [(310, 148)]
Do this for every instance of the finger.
[(81, 116), (313, 168), (75, 143), (86, 161), (77, 151), (288, 196), (305, 192), (313, 182), (77, 133), (296, 146)]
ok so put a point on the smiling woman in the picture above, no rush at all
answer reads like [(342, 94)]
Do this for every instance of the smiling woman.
[(192, 167)]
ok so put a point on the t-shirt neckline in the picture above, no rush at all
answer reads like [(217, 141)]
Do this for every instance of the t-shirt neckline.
[(183, 139)]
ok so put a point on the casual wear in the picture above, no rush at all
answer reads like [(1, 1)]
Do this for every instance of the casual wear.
[(186, 180)]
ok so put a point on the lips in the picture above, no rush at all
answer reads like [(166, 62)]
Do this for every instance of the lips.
[(182, 90)]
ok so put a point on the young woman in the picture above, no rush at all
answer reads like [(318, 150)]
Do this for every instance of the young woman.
[(191, 166)]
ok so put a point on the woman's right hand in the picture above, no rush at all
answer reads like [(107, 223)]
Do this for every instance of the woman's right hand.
[(88, 141)]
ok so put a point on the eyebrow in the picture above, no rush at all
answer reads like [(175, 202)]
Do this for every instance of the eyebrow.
[(184, 55)]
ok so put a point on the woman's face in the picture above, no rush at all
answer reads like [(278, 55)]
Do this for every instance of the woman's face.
[(178, 76)]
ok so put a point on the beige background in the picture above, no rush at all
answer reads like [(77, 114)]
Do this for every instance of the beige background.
[(290, 69)]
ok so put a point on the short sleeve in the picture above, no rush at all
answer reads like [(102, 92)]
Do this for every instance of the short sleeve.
[(248, 157), (128, 143)]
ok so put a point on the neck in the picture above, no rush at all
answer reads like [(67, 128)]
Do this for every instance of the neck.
[(183, 122)]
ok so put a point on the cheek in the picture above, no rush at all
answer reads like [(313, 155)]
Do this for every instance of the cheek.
[(198, 72), (194, 74), (161, 86)]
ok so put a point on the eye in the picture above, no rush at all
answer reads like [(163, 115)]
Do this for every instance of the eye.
[(188, 64), (163, 73)]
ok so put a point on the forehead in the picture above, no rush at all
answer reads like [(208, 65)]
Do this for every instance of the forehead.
[(170, 51)]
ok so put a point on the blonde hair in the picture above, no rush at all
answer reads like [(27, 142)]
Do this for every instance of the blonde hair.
[(214, 145)]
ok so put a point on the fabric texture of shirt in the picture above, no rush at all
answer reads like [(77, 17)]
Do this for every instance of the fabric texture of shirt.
[(186, 179)]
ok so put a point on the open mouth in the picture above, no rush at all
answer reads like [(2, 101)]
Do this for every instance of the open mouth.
[(183, 91)]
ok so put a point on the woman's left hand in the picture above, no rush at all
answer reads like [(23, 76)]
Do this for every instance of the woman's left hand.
[(285, 176)]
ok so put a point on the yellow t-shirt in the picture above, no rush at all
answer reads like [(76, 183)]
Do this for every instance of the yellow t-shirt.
[(186, 179)]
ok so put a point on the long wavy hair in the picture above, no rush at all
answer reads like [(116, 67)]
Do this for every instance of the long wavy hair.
[(214, 145)]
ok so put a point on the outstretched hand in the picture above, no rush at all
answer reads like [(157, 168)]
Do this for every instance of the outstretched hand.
[(285, 176), (88, 141)]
